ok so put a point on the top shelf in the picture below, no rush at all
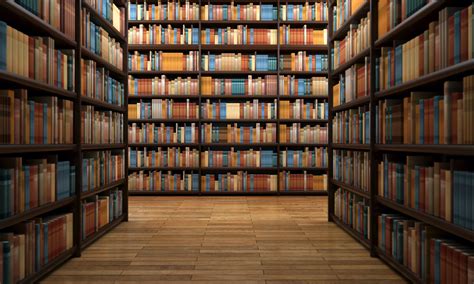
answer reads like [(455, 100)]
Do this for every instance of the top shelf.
[(11, 11), (359, 14)]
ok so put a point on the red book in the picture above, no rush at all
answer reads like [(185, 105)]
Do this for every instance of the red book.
[(464, 35), (451, 40), (422, 189)]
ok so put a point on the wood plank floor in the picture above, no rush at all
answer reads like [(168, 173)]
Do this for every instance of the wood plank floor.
[(245, 240)]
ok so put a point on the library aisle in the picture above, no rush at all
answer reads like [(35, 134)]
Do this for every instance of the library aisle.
[(226, 240)]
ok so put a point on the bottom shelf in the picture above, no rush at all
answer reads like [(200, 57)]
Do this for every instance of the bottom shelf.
[(50, 267), (230, 193), (356, 235), (401, 269), (164, 193), (102, 231)]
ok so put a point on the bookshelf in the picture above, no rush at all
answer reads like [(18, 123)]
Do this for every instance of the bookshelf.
[(392, 206), (207, 97), (59, 151)]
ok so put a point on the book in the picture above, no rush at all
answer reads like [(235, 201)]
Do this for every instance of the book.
[(238, 62), (304, 109), (162, 109), (296, 133), (309, 157), (97, 84), (161, 34), (161, 181), (101, 168), (163, 86), (235, 133), (110, 12), (302, 36), (302, 61), (354, 83), (354, 211), (101, 126), (242, 181), (352, 126), (163, 61), (242, 34), (166, 157), (317, 11), (291, 182), (343, 10), (170, 10), (393, 12), (250, 86), (161, 133), (242, 12), (235, 158), (254, 109), (300, 87), (352, 168)]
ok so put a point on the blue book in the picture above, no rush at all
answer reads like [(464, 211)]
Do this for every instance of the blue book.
[(45, 241), (7, 262), (422, 121), (457, 37), (398, 65), (436, 118)]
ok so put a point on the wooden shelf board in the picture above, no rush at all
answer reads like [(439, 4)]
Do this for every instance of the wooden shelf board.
[(164, 120), (308, 169), (163, 144), (167, 47), (102, 104), (272, 48), (354, 234), (351, 188), (35, 212), (240, 97), (149, 97), (309, 97), (136, 169), (163, 22), (102, 231), (429, 219), (304, 73), (162, 193), (101, 189), (355, 147), (352, 104), (305, 47), (237, 73), (359, 14), (399, 268), (303, 145), (239, 145), (168, 73), (209, 120), (346, 65), (303, 192), (33, 148), (218, 170), (96, 147), (306, 121), (454, 150), (113, 71)]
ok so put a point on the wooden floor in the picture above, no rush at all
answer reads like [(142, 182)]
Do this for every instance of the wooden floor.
[(226, 240)]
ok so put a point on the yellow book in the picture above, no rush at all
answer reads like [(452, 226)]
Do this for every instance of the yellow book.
[(232, 110)]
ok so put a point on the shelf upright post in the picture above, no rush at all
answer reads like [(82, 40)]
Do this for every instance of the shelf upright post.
[(330, 187)]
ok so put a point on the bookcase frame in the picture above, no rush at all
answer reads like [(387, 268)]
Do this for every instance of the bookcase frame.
[(202, 48), (20, 18), (378, 204)]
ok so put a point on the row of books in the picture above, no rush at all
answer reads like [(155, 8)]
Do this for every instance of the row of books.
[(258, 86), (100, 211), (429, 185), (59, 14), (97, 84), (97, 39), (163, 61), (111, 12), (163, 108), (354, 83), (302, 182), (102, 168), (161, 133), (302, 36), (163, 86), (29, 183), (426, 251), (317, 11), (356, 41), (239, 182), (160, 34), (33, 244), (163, 157), (36, 58), (352, 168), (171, 10), (354, 211), (239, 12), (343, 10), (302, 61), (238, 62), (303, 109), (233, 158), (309, 157), (300, 87), (429, 117), (445, 43), (352, 126), (101, 126), (392, 12), (233, 133), (296, 133), (34, 119), (254, 109), (159, 181), (242, 34)]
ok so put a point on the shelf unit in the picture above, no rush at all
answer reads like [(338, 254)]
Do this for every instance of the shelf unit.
[(275, 49), (23, 20), (406, 30)]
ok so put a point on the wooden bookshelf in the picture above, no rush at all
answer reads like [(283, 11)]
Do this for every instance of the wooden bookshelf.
[(410, 27)]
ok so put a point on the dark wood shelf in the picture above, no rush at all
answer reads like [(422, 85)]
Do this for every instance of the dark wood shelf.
[(304, 73), (161, 193), (309, 23), (303, 192), (351, 188), (33, 148), (308, 169), (103, 188), (113, 71), (352, 104), (49, 267), (35, 212), (163, 97), (167, 47), (356, 147), (309, 97), (163, 145), (353, 233), (164, 120), (305, 47), (102, 231), (305, 121), (32, 24), (210, 23), (163, 22), (433, 78), (302, 145), (136, 169), (346, 65), (239, 145), (220, 170), (399, 268), (452, 150), (13, 80), (238, 73), (272, 48), (405, 29), (102, 104), (429, 219), (262, 120), (101, 21), (238, 193), (240, 97), (359, 14), (168, 73), (97, 147)]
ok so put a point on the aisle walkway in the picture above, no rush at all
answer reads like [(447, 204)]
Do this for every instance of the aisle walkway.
[(226, 240)]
